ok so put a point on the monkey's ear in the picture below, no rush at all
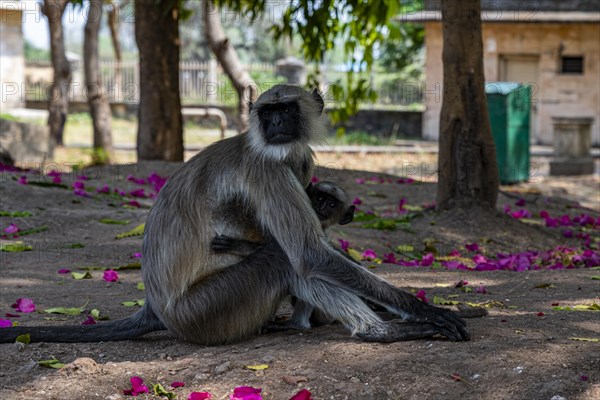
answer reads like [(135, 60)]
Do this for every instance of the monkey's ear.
[(348, 216), (250, 104), (319, 100)]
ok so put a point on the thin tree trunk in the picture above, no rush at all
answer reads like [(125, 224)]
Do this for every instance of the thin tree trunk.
[(468, 173), (99, 107), (58, 104), (113, 25), (160, 129), (229, 60)]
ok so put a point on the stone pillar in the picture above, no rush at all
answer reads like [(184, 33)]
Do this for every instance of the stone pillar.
[(292, 69), (572, 146)]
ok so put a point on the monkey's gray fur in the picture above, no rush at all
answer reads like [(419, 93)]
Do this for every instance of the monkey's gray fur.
[(247, 186)]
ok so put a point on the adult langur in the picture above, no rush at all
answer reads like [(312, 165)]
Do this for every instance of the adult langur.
[(252, 186)]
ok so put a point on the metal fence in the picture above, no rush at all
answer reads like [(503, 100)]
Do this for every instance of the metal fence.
[(200, 82)]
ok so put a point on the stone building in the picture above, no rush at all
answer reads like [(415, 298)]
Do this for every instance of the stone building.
[(552, 45), (12, 56)]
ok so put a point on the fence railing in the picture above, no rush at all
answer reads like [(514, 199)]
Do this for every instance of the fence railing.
[(200, 82)]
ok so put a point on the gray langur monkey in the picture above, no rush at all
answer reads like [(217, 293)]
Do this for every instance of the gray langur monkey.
[(251, 186), (332, 205)]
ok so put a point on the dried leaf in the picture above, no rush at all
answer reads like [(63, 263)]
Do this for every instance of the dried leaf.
[(65, 310), (15, 247), (137, 231), (26, 338), (140, 286), (133, 303), (81, 275), (258, 367), (52, 363), (596, 277), (114, 221), (584, 339), (544, 286), (443, 302), (159, 390), (356, 256)]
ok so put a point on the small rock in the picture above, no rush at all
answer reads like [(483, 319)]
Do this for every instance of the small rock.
[(518, 370), (19, 346), (200, 377), (354, 380), (219, 369), (101, 355), (83, 364), (113, 397), (557, 397)]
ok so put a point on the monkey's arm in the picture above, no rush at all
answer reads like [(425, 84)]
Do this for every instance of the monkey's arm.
[(239, 247), (284, 211)]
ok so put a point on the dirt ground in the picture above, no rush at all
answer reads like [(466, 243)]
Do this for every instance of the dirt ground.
[(522, 350)]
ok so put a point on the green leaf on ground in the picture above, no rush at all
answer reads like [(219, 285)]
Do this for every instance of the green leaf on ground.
[(579, 307), (114, 221), (47, 184), (15, 214), (66, 310), (33, 230), (52, 363), (140, 286), (26, 338), (355, 255), (133, 303), (137, 231), (15, 247), (75, 246), (159, 390), (596, 277), (444, 302), (258, 367)]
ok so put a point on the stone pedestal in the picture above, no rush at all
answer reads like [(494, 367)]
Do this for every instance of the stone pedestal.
[(292, 69), (572, 146), (25, 142)]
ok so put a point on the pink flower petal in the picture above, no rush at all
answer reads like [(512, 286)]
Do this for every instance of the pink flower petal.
[(11, 229), (22, 180), (427, 260), (110, 276), (472, 247), (177, 384), (481, 290), (63, 271), (360, 181), (199, 396), (369, 255), (357, 202), (104, 189), (137, 193), (314, 179), (302, 395), (11, 315), (540, 314), (136, 255), (544, 214), (89, 321), (584, 378), (5, 323), (78, 185), (24, 305), (246, 393), (389, 258), (344, 244), (421, 296), (137, 386), (520, 203)]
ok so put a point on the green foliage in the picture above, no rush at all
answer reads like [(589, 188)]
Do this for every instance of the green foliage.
[(35, 53)]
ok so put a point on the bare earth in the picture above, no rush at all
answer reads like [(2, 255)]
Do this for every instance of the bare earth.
[(514, 352)]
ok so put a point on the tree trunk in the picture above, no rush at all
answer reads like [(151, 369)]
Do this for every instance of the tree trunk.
[(99, 107), (468, 174), (160, 129), (113, 25), (58, 104), (229, 60)]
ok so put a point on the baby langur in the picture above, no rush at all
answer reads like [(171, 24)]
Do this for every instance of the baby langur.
[(331, 204)]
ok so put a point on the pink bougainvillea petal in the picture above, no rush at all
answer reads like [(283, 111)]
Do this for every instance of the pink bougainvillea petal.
[(421, 296), (11, 229), (177, 384), (369, 255), (137, 387), (481, 290), (427, 260), (344, 244), (246, 393), (138, 193), (302, 395), (472, 247), (22, 180), (360, 181), (520, 203), (24, 305), (11, 315), (199, 396), (584, 378), (110, 276), (389, 258), (5, 323), (540, 314), (357, 202), (314, 179), (63, 271), (89, 321), (137, 254)]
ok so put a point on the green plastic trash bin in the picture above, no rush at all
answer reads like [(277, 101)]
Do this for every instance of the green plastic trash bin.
[(509, 106)]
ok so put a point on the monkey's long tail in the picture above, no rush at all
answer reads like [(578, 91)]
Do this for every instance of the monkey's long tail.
[(140, 323)]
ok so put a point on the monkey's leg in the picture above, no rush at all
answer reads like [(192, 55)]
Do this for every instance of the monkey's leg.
[(239, 247), (233, 303), (356, 279), (352, 312)]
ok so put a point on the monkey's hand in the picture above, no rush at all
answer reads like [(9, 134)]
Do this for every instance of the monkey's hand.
[(446, 322), (222, 244)]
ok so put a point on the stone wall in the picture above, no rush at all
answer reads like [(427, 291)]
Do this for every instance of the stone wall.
[(554, 94)]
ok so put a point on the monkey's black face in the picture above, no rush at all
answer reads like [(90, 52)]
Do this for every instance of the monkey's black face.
[(280, 123), (329, 208)]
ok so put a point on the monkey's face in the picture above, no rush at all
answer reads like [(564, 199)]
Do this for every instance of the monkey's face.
[(329, 209), (280, 122)]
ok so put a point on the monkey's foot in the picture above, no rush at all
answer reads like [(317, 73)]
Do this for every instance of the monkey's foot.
[(396, 331)]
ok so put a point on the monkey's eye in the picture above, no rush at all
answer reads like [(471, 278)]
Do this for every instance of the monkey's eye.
[(285, 110), (320, 199), (265, 113), (332, 205)]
